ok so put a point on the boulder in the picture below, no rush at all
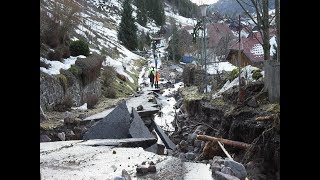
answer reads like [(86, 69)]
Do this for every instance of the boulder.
[(140, 108), (142, 170), (215, 167), (218, 159), (223, 176), (191, 138), (182, 156), (44, 138), (197, 143), (237, 168), (61, 136), (190, 156)]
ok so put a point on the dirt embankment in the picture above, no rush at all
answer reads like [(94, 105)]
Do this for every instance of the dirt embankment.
[(256, 122)]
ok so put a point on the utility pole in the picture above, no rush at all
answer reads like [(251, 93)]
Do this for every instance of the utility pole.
[(205, 53), (203, 9), (240, 95)]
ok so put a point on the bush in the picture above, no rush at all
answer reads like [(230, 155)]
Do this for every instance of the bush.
[(65, 105), (234, 73), (63, 81), (90, 68), (71, 79), (79, 47), (122, 77), (256, 74), (105, 51), (75, 70), (91, 100), (110, 92), (108, 78), (65, 52), (55, 55)]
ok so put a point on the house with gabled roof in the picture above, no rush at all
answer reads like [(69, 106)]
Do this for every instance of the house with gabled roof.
[(250, 49)]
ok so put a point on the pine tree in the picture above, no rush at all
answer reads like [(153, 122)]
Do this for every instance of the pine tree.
[(160, 17), (141, 12), (148, 39), (127, 33), (142, 41), (174, 43), (155, 11)]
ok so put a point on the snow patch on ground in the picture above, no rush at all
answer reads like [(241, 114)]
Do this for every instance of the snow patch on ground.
[(246, 72), (222, 66), (57, 65)]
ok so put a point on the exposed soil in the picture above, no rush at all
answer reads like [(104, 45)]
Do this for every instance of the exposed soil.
[(225, 118)]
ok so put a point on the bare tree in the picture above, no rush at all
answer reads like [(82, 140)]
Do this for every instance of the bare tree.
[(262, 21), (67, 13)]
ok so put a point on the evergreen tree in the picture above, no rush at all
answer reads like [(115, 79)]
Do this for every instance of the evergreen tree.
[(127, 33), (148, 39), (173, 48), (155, 11), (186, 8), (142, 41), (141, 12), (160, 17)]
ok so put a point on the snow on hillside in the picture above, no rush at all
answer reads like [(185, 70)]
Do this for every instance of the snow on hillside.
[(179, 19), (99, 23), (99, 26), (57, 65)]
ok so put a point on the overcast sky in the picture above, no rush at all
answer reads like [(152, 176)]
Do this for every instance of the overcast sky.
[(204, 1)]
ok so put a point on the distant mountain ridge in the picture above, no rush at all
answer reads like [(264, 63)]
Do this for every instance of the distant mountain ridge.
[(231, 7)]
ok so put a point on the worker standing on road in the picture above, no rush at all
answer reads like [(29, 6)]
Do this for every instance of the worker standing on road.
[(156, 60), (151, 75), (156, 79)]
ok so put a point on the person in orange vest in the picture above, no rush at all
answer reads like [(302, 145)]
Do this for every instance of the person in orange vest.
[(156, 79)]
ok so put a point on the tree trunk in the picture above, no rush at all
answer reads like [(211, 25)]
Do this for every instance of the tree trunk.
[(265, 25), (224, 141)]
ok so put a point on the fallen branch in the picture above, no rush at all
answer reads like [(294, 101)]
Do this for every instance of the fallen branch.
[(224, 141), (224, 150)]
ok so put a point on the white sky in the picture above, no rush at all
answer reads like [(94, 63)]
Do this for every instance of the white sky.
[(199, 2)]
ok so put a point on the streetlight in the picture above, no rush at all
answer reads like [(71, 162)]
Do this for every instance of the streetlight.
[(203, 8)]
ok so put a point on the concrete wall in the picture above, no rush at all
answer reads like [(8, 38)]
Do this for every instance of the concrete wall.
[(272, 80)]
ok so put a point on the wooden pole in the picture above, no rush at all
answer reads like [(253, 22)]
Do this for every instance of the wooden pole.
[(225, 151), (224, 141)]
